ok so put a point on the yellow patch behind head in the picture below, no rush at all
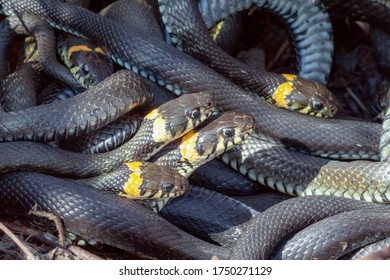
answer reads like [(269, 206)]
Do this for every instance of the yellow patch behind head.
[(188, 147), (160, 134), (78, 48), (280, 94), (134, 166), (283, 90), (132, 186)]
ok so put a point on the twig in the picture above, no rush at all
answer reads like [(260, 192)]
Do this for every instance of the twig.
[(22, 246), (71, 252), (55, 219)]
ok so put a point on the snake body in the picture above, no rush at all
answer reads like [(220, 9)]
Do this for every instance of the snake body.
[(116, 96), (196, 213), (360, 228), (259, 239), (7, 35)]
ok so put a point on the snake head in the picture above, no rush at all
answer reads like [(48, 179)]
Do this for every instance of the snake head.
[(223, 133), (151, 181), (305, 96), (226, 131), (87, 62), (173, 119)]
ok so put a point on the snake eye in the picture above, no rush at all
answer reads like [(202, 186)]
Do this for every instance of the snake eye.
[(194, 114), (317, 105), (167, 187), (228, 132), (85, 69)]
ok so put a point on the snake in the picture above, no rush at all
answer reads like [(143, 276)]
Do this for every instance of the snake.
[(7, 36), (195, 212), (260, 239), (360, 228), (140, 180)]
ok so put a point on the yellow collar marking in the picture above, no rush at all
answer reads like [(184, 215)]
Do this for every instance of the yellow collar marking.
[(78, 48), (134, 166), (160, 134), (187, 147), (132, 186), (283, 90)]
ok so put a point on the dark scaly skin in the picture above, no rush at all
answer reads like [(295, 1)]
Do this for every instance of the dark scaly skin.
[(174, 119), (268, 228), (184, 23), (135, 14), (209, 215), (174, 69), (374, 11), (6, 35), (227, 33), (17, 93), (385, 138), (336, 236), (107, 138), (372, 248), (101, 216), (79, 115), (217, 176), (55, 91), (118, 132)]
